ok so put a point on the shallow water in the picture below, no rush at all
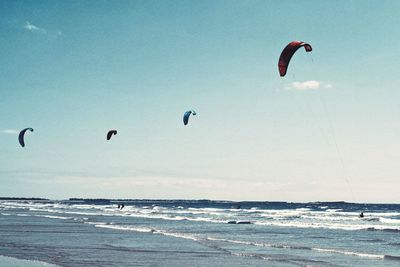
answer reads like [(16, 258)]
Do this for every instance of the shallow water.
[(13, 262), (200, 233)]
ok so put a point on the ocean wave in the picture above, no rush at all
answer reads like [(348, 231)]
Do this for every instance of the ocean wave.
[(252, 255), (333, 226), (285, 221), (250, 243), (175, 218), (96, 223), (349, 253), (303, 209), (148, 230), (55, 217), (322, 250), (243, 242), (239, 222), (80, 219), (335, 219), (123, 227), (390, 220), (333, 210), (391, 230), (22, 215), (372, 219)]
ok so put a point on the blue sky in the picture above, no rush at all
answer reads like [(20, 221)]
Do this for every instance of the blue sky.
[(72, 70)]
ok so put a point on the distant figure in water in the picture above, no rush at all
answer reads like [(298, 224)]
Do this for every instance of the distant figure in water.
[(119, 206), (362, 215), (122, 206), (238, 207)]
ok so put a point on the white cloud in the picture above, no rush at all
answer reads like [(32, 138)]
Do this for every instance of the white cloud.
[(33, 28), (308, 85), (9, 131)]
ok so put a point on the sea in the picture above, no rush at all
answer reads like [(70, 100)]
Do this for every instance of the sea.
[(95, 232)]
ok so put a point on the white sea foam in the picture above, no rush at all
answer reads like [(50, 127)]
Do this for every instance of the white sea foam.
[(80, 219), (303, 209), (350, 253), (123, 227), (333, 210), (389, 220), (55, 217), (257, 244), (23, 215), (179, 235), (96, 223), (334, 226), (322, 250), (148, 230), (301, 217)]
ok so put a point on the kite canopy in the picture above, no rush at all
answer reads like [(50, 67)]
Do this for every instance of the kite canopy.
[(111, 133), (187, 115), (287, 54), (22, 135)]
